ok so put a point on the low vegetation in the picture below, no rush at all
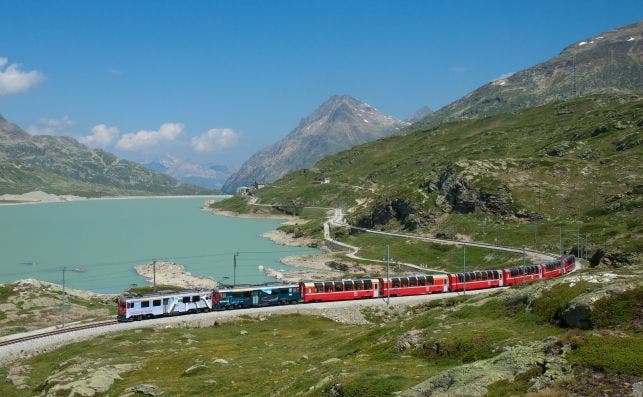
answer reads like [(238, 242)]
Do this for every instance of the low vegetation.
[(400, 348)]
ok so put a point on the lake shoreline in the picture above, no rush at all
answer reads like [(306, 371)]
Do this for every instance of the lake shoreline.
[(40, 197)]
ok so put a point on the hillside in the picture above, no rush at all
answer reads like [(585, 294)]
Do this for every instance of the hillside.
[(338, 124), (510, 179), (609, 62), (61, 165)]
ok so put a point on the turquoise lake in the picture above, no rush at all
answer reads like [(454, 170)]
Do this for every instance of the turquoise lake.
[(107, 238)]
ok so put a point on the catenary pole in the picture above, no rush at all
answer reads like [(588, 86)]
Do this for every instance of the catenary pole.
[(62, 300), (388, 279)]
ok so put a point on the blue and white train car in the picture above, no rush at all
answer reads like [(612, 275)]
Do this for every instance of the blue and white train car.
[(163, 304), (237, 298)]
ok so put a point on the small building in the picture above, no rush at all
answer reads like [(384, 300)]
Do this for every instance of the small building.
[(326, 181), (258, 185), (243, 191)]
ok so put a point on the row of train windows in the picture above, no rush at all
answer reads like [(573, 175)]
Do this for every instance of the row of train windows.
[(477, 276), (553, 265), (348, 285), (523, 270), (246, 294), (418, 281), (166, 301)]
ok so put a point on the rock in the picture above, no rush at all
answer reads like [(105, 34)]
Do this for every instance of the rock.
[(333, 360), (243, 332), (18, 376), (336, 390), (82, 380), (220, 361), (637, 389), (474, 378), (194, 369), (210, 382), (145, 389), (289, 362), (411, 339)]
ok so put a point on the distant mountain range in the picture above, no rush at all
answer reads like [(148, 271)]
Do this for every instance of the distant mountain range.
[(211, 176), (609, 62), (62, 165), (338, 124)]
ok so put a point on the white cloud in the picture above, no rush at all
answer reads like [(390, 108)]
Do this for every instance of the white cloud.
[(144, 139), (101, 136), (45, 126), (215, 139), (13, 80)]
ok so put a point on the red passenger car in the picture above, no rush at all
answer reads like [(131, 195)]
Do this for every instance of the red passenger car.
[(414, 285), (552, 268), (324, 291), (569, 263), (475, 280), (521, 274)]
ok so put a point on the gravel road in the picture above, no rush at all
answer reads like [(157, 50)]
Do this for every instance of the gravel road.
[(342, 311)]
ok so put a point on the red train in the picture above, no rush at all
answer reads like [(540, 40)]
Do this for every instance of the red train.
[(173, 303), (324, 291)]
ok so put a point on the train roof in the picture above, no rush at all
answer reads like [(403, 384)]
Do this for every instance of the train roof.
[(259, 288), (164, 294)]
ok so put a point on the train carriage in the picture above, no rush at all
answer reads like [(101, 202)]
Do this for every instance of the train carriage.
[(475, 280), (324, 291), (414, 285), (521, 274), (553, 268), (163, 304), (569, 263), (237, 298)]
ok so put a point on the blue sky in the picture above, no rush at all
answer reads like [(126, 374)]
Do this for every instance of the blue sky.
[(232, 77)]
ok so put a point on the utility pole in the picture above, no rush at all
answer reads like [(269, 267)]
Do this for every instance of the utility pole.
[(560, 238), (484, 228), (388, 279), (464, 269), (62, 301), (154, 274), (234, 278), (578, 250)]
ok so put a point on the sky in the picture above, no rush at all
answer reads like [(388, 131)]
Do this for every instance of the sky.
[(215, 81)]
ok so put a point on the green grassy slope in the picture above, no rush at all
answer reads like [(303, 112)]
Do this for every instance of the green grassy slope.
[(509, 178)]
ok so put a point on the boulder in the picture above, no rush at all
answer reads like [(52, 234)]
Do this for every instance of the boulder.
[(145, 389), (410, 339), (196, 368)]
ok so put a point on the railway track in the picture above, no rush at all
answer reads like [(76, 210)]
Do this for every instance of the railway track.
[(57, 332)]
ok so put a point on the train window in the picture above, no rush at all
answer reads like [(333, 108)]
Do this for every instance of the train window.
[(166, 301), (348, 285), (421, 281), (460, 277), (396, 283), (328, 286), (368, 284), (413, 281), (319, 287), (145, 304), (358, 285), (185, 299), (430, 280), (196, 298), (404, 282), (339, 286), (130, 305), (156, 302)]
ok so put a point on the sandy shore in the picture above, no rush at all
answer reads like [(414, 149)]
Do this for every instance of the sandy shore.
[(170, 273), (283, 238), (39, 197)]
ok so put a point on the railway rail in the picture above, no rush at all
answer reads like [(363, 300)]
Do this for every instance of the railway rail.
[(57, 332)]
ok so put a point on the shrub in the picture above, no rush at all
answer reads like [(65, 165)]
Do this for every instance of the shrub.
[(618, 310), (608, 353), (550, 305)]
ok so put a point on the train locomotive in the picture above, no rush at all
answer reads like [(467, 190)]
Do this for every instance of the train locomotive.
[(172, 303)]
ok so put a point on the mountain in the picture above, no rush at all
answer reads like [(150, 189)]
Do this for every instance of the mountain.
[(419, 114), (511, 178), (62, 165), (338, 124), (610, 62), (210, 176)]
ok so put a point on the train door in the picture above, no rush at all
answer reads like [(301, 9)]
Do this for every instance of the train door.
[(255, 298), (376, 289)]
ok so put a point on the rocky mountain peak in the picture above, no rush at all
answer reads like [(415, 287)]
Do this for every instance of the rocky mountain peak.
[(339, 123)]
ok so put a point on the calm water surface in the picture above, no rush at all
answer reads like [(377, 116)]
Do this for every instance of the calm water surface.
[(107, 238)]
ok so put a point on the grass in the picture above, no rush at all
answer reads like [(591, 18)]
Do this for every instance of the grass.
[(550, 306), (618, 311), (591, 185), (434, 256), (620, 354)]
